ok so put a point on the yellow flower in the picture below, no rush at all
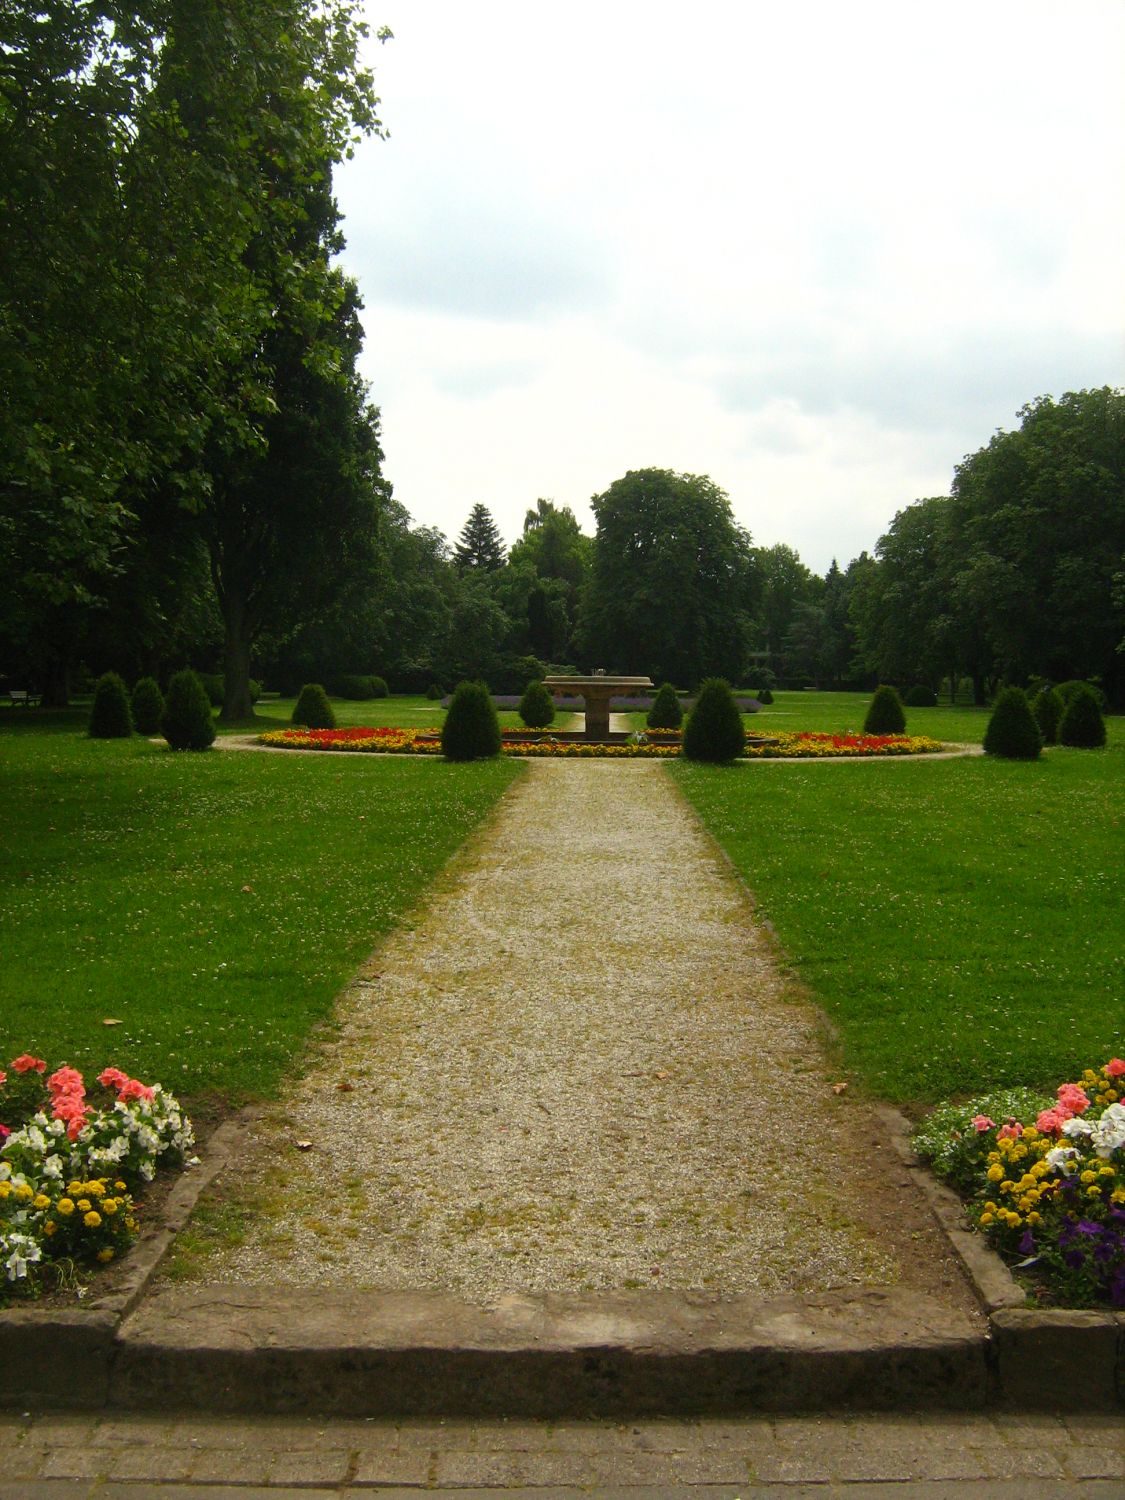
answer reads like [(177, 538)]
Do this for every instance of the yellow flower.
[(986, 1217), (1093, 1192), (109, 1206), (75, 1188), (130, 1222), (49, 1228), (1106, 1171), (23, 1192), (96, 1189), (41, 1201), (106, 1254), (120, 1186), (92, 1219), (84, 1205), (1087, 1176), (1029, 1133), (995, 1174), (1035, 1218), (65, 1207), (5, 1188)]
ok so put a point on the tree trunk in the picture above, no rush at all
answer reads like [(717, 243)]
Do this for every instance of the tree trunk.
[(55, 686), (236, 662)]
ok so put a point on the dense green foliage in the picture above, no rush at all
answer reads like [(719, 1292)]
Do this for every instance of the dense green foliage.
[(313, 709), (1012, 730), (471, 730), (359, 685), (1067, 690), (110, 716), (147, 704), (982, 951), (885, 714), (714, 730), (669, 572), (1047, 706), (667, 711), (1082, 724), (537, 707), (214, 905), (188, 723), (920, 696)]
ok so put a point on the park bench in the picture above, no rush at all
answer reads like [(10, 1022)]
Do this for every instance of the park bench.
[(21, 698)]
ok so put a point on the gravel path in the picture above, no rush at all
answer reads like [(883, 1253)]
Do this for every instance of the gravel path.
[(581, 1069)]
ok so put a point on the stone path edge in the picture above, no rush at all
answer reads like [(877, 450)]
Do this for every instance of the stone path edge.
[(629, 1354)]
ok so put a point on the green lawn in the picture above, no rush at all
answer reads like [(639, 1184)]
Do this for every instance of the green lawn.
[(962, 922), (122, 875)]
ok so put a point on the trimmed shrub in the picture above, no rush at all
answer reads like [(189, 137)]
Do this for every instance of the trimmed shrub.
[(714, 729), (214, 685), (471, 730), (1082, 724), (188, 723), (763, 695), (667, 711), (313, 709), (148, 706), (1012, 731), (885, 715), (1048, 709), (920, 696), (1067, 690), (110, 718), (359, 686), (435, 692), (537, 707)]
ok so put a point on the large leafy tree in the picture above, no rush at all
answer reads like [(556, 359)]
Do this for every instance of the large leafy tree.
[(668, 572)]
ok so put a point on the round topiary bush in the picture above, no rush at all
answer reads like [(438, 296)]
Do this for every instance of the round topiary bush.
[(313, 709), (148, 706), (1082, 724), (188, 723), (885, 715), (1067, 690), (1048, 706), (764, 696), (667, 711), (435, 692), (1012, 731), (714, 730), (471, 730), (537, 707), (110, 718), (920, 696)]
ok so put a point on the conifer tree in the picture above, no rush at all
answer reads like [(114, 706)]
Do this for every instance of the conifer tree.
[(479, 545)]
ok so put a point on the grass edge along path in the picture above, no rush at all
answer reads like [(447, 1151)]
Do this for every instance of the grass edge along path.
[(961, 922), (211, 905)]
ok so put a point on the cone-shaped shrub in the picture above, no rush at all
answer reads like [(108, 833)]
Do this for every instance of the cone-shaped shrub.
[(313, 709), (1082, 724), (1012, 731), (764, 696), (920, 696), (885, 715), (471, 730), (666, 711), (537, 707), (110, 718), (148, 706), (1047, 707), (714, 729), (435, 692), (1067, 690), (187, 723)]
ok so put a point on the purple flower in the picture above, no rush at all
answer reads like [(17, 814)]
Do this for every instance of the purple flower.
[(1027, 1243)]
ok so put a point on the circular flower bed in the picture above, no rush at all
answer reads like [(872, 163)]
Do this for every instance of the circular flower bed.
[(651, 744)]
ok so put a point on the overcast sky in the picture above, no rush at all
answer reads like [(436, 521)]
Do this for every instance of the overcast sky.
[(816, 251)]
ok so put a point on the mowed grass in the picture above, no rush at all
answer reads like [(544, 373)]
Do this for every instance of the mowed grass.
[(213, 904), (403, 711), (961, 921)]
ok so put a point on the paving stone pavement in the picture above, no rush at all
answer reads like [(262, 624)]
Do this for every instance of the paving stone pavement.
[(926, 1457)]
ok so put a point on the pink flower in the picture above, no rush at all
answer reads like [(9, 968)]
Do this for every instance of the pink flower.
[(981, 1123), (3, 1078), (67, 1081), (1011, 1130), (28, 1064), (1051, 1121), (113, 1078), (4, 1134), (1073, 1098), (132, 1089), (1115, 1067)]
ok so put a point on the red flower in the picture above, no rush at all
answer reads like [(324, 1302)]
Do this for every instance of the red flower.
[(28, 1064)]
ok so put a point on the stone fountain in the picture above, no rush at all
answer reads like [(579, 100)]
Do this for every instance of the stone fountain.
[(596, 692)]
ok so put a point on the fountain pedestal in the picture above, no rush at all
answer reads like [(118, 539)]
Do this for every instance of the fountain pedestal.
[(596, 692)]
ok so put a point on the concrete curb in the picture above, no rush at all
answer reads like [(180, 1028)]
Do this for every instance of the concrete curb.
[(625, 1355)]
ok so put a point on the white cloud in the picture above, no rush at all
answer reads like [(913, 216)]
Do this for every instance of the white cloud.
[(818, 252)]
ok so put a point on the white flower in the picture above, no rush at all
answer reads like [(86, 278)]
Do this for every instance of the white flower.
[(1077, 1127), (22, 1252), (1109, 1132), (1062, 1159)]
